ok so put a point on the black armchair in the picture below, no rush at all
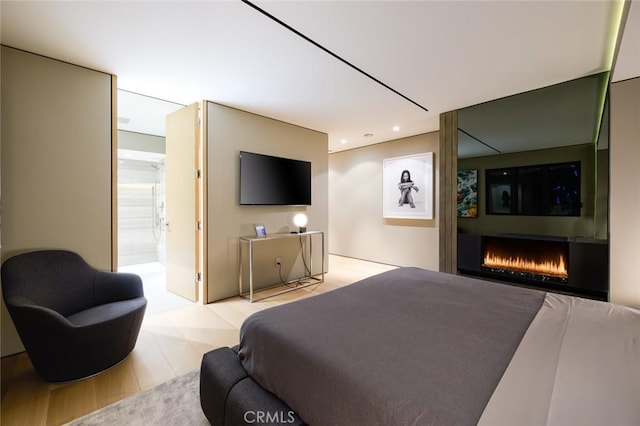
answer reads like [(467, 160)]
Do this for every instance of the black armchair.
[(74, 320)]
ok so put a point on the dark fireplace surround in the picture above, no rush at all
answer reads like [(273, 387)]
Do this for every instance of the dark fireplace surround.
[(566, 265)]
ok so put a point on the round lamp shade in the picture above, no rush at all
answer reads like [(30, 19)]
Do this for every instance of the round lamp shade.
[(300, 220)]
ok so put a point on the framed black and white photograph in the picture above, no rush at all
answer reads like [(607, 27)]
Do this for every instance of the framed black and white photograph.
[(500, 199), (261, 231), (500, 185), (407, 191)]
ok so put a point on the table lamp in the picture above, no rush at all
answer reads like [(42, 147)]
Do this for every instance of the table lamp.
[(300, 220)]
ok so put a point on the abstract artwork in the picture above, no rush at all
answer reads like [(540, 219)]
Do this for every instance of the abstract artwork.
[(467, 193)]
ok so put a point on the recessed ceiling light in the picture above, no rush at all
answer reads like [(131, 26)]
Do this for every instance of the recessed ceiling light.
[(396, 128), (343, 141)]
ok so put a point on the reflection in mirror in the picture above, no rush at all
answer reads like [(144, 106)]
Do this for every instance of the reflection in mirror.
[(536, 190), (541, 159), (565, 114), (563, 123)]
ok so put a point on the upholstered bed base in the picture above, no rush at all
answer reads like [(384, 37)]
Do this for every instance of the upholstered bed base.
[(230, 397)]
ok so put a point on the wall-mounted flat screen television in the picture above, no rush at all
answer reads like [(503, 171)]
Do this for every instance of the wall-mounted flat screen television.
[(266, 180)]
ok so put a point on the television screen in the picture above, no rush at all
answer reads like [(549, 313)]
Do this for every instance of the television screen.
[(269, 180)]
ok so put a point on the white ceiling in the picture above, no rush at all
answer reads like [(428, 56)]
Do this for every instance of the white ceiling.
[(441, 55)]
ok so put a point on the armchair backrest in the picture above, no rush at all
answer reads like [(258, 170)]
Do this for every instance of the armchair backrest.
[(57, 279)]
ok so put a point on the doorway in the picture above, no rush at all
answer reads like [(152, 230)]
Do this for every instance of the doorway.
[(142, 196)]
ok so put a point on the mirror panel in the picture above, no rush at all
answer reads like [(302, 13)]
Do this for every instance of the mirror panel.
[(564, 123), (565, 114)]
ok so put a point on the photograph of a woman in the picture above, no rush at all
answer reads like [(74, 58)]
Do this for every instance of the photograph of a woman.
[(405, 186), (407, 191)]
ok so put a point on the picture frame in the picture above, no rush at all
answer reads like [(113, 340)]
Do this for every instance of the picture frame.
[(408, 197), (467, 193), (499, 199), (261, 231), (500, 185)]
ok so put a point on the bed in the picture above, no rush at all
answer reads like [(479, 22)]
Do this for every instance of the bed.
[(417, 347)]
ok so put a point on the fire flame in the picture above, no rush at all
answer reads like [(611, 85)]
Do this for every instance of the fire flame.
[(548, 267)]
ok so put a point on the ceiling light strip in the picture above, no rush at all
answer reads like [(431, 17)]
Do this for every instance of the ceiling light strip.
[(619, 21), (290, 28)]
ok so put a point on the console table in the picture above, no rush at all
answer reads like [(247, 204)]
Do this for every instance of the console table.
[(251, 241)]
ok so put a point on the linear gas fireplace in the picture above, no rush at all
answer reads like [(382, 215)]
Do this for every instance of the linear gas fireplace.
[(577, 266), (536, 260)]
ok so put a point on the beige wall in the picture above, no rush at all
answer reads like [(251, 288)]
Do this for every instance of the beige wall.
[(230, 131), (56, 162), (625, 199), (582, 226), (356, 225)]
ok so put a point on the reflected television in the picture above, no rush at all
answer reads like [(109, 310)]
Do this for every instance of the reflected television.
[(538, 190)]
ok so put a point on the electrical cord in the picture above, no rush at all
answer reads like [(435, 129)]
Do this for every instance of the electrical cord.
[(304, 262), (282, 279), (306, 268)]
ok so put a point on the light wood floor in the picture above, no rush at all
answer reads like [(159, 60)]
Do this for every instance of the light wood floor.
[(170, 344)]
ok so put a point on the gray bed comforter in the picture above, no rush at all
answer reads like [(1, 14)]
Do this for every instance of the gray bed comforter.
[(406, 347)]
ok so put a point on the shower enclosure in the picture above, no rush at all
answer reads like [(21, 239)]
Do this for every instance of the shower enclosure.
[(141, 208)]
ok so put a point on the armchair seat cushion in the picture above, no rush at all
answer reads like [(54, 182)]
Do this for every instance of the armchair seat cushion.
[(107, 312)]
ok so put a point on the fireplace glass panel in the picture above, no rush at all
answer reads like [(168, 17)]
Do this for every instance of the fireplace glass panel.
[(536, 260)]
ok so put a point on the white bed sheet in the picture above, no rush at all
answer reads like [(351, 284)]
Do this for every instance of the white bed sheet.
[(577, 364)]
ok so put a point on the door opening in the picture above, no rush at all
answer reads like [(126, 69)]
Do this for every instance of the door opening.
[(142, 203)]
